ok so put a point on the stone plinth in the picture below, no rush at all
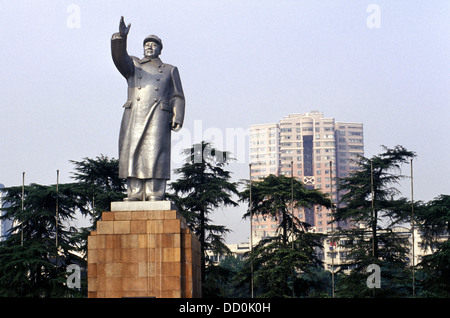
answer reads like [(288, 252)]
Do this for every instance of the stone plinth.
[(142, 206), (142, 253)]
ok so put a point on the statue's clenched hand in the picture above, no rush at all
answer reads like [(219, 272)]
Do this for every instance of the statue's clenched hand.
[(176, 127), (123, 29)]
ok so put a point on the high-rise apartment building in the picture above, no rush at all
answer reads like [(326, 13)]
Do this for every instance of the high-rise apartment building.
[(317, 150)]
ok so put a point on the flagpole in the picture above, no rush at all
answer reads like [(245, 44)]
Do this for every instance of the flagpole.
[(373, 215), (332, 233), (251, 230), (292, 215), (292, 201), (23, 195), (373, 206), (56, 215), (412, 230)]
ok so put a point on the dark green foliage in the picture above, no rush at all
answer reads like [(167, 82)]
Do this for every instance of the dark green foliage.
[(375, 177), (30, 263), (203, 186), (227, 279), (433, 219), (315, 283), (278, 262), (99, 184), (281, 270), (273, 195), (369, 200), (436, 267), (284, 266), (217, 282)]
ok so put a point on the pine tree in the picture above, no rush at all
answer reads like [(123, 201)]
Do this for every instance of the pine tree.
[(278, 260), (369, 200), (204, 185), (273, 196), (433, 219), (99, 184), (30, 262), (34, 256)]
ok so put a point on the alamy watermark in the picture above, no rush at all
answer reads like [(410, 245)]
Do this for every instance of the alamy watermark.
[(374, 279), (233, 140), (373, 21), (74, 280), (73, 20)]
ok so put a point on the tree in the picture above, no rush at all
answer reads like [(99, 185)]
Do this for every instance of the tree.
[(203, 186), (273, 196), (30, 262), (99, 184), (34, 257), (278, 260), (436, 268), (279, 268), (369, 200), (369, 192), (218, 282), (433, 219)]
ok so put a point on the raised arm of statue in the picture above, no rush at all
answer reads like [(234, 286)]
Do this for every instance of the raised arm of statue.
[(121, 59), (123, 30)]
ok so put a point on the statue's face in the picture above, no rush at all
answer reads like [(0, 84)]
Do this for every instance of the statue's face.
[(152, 49)]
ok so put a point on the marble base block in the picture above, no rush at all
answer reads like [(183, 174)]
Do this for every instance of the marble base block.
[(142, 206), (143, 249)]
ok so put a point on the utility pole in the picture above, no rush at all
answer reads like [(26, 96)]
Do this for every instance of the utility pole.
[(292, 216), (57, 212), (373, 207), (332, 230), (292, 201), (412, 232), (23, 196), (251, 230)]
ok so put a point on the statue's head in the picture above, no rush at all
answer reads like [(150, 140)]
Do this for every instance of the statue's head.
[(152, 46)]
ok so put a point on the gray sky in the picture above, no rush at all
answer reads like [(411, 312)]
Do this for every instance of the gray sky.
[(241, 62)]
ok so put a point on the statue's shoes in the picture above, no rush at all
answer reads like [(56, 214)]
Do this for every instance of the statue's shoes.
[(132, 199), (153, 198)]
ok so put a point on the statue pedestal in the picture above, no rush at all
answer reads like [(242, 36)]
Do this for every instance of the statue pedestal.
[(143, 249)]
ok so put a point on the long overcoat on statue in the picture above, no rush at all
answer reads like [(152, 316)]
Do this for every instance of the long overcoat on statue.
[(155, 101)]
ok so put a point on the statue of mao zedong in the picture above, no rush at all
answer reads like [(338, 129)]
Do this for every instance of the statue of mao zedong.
[(155, 107)]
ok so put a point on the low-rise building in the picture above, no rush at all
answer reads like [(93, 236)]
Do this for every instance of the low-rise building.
[(5, 224)]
